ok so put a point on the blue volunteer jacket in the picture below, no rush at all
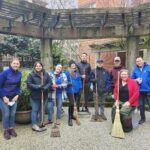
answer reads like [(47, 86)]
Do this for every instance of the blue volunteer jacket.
[(74, 82), (10, 82), (145, 75)]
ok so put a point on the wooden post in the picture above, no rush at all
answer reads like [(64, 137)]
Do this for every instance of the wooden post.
[(132, 52), (46, 53)]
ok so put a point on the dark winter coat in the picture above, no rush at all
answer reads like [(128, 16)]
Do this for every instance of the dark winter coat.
[(34, 84), (102, 79), (84, 68)]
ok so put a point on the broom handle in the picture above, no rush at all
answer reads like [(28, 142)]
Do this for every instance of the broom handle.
[(42, 109), (75, 106), (96, 102), (118, 89), (83, 97), (54, 97)]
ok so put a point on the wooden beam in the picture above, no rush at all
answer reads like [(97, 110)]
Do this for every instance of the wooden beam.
[(27, 29)]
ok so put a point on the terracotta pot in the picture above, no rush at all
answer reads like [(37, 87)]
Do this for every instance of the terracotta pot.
[(23, 117)]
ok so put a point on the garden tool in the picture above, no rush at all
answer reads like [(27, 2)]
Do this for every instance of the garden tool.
[(55, 132), (117, 130)]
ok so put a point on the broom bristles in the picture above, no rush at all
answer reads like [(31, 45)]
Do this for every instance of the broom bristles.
[(117, 130), (76, 115), (55, 131)]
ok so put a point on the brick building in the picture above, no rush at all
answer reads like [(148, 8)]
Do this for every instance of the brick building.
[(85, 44)]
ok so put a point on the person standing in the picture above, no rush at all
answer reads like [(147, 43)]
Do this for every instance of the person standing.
[(59, 80), (114, 72), (39, 83), (141, 74), (10, 82), (85, 70), (73, 89), (100, 78)]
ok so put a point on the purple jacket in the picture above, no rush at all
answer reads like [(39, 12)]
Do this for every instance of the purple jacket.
[(10, 82), (114, 75)]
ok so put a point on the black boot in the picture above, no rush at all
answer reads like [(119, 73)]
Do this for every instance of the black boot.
[(70, 123), (70, 112)]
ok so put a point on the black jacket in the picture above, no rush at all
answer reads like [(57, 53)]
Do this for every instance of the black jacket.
[(34, 84), (102, 79), (85, 68)]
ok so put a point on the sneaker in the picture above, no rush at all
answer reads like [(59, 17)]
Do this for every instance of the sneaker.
[(49, 122), (58, 121), (86, 109), (103, 116), (37, 129), (141, 121), (7, 135), (78, 109), (12, 132)]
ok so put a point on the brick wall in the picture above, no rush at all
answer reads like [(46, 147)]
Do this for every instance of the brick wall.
[(84, 44)]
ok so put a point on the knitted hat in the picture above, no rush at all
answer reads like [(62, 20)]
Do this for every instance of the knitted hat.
[(71, 62)]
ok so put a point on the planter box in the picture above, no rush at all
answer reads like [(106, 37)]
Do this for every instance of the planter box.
[(23, 117)]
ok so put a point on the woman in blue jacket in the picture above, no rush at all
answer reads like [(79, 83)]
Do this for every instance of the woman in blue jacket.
[(10, 80), (73, 89)]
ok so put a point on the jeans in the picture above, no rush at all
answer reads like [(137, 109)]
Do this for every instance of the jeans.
[(8, 114), (143, 96), (51, 107), (36, 107)]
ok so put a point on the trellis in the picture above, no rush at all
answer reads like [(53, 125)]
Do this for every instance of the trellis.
[(32, 20)]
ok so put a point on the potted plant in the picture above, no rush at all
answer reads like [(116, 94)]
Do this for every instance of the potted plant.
[(23, 113)]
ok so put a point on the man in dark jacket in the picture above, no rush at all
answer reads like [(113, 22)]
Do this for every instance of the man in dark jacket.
[(141, 74), (114, 72), (85, 70), (101, 83)]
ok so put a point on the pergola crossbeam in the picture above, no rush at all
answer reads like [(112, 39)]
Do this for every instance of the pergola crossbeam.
[(27, 19)]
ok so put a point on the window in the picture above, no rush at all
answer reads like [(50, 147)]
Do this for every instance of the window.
[(91, 5)]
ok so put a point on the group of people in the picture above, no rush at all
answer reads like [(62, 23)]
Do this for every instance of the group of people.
[(129, 92)]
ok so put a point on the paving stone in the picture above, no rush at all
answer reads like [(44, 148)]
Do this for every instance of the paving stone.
[(88, 136)]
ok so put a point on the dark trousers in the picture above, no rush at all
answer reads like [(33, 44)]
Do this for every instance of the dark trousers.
[(125, 117), (72, 97), (86, 95), (143, 96)]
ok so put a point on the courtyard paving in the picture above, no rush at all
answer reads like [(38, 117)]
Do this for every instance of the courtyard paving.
[(88, 136)]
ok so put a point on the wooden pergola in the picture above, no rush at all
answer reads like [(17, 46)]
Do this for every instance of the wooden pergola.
[(28, 19)]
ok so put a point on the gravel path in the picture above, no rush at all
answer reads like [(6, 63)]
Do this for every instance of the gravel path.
[(88, 136)]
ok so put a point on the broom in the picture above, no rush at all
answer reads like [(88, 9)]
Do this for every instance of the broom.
[(75, 107), (96, 117), (55, 132), (83, 93), (117, 130), (42, 126)]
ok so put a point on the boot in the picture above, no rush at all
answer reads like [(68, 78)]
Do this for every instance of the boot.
[(6, 134), (103, 116), (70, 123)]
